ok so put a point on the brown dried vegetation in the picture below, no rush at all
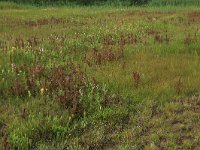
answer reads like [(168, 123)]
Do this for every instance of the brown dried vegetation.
[(63, 83), (102, 56), (136, 78), (42, 22), (194, 17), (179, 86)]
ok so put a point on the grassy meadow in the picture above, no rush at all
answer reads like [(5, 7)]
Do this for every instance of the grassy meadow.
[(99, 77)]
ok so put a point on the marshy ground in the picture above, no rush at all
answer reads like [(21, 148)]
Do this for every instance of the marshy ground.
[(100, 78)]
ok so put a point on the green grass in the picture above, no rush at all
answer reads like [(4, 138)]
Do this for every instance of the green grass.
[(99, 78), (12, 5), (175, 2), (9, 5)]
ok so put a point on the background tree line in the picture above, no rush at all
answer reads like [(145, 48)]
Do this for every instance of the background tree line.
[(108, 2), (79, 2)]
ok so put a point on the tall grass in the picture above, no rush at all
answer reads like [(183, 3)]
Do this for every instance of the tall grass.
[(175, 2), (12, 3), (9, 5)]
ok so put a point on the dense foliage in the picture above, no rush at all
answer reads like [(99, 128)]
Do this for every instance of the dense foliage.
[(108, 2), (81, 2)]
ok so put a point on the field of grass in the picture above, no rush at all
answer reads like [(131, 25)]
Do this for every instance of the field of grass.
[(99, 78), (175, 2)]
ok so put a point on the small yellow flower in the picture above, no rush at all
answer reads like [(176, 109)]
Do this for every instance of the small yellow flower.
[(42, 91)]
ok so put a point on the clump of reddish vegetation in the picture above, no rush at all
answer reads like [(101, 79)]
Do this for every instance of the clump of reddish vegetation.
[(1, 92), (108, 53), (22, 43), (122, 40), (66, 86), (158, 36), (179, 86), (62, 83), (194, 17), (21, 87), (17, 88), (5, 144), (108, 40), (42, 22), (152, 32), (136, 76), (189, 39), (129, 39), (102, 56), (33, 41)]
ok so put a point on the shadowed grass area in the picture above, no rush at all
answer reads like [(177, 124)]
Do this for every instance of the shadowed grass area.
[(12, 5), (99, 78), (8, 5), (107, 2), (175, 2)]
